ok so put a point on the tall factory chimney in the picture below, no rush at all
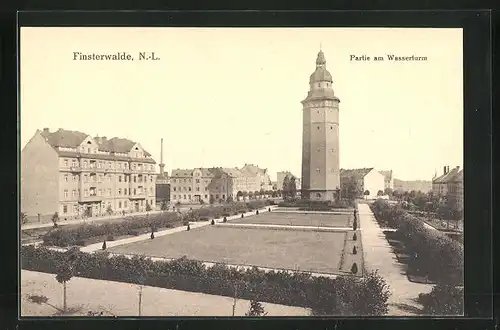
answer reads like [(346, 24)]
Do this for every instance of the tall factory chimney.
[(162, 166)]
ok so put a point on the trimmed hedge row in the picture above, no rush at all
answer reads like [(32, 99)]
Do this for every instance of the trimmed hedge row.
[(215, 212), (311, 205), (63, 237), (443, 300), (325, 296), (441, 257), (386, 214)]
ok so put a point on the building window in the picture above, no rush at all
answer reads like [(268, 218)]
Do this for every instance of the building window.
[(125, 204), (331, 127), (318, 170), (184, 196), (197, 188), (189, 188), (119, 191), (65, 194), (73, 163), (151, 178), (135, 191), (65, 163), (135, 179), (197, 180), (151, 190), (65, 209), (119, 178), (66, 178), (109, 191), (88, 150), (206, 196), (174, 196), (318, 127), (175, 188), (74, 192)]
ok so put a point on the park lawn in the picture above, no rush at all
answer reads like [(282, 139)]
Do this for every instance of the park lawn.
[(121, 299), (282, 249), (298, 219)]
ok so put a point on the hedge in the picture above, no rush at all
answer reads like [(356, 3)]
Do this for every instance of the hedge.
[(441, 257), (325, 296), (312, 205), (443, 300), (71, 236)]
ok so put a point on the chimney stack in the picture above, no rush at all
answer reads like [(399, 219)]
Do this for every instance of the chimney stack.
[(444, 170), (162, 166), (448, 169), (46, 130)]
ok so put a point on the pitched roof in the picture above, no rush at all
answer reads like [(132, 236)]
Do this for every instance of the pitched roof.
[(357, 172), (182, 173), (64, 138), (120, 145), (233, 172), (387, 174), (445, 178)]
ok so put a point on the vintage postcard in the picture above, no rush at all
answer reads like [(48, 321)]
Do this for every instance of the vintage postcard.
[(241, 171)]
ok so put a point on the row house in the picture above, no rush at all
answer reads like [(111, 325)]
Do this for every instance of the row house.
[(217, 183), (450, 186), (367, 180), (77, 175)]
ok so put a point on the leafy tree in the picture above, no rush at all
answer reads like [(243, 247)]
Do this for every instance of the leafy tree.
[(148, 207), (202, 202), (443, 300), (164, 205), (23, 217), (256, 309), (257, 194), (212, 199), (367, 193), (109, 210), (229, 199), (55, 219), (178, 204), (245, 194), (65, 271), (380, 193), (279, 193), (239, 194), (388, 191), (286, 187), (350, 189), (292, 187)]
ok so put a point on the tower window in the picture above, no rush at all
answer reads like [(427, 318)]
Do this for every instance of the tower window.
[(317, 170), (318, 127), (331, 127)]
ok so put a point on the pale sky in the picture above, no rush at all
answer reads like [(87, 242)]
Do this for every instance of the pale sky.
[(230, 96)]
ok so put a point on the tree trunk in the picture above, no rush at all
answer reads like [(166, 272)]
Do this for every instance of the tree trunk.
[(64, 297), (235, 295)]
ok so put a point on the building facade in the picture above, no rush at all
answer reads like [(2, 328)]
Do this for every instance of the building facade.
[(320, 137), (76, 175), (440, 183), (456, 192), (191, 186), (389, 180), (367, 179), (162, 183), (417, 185)]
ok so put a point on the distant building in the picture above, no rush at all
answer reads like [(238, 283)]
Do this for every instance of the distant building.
[(456, 192), (366, 179), (76, 175), (417, 185), (389, 180), (440, 183), (217, 183)]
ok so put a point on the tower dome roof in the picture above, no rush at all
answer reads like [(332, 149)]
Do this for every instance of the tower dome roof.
[(321, 73)]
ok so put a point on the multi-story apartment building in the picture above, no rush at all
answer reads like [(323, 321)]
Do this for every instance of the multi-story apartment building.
[(77, 175), (456, 192), (367, 179), (217, 183), (389, 180), (440, 184)]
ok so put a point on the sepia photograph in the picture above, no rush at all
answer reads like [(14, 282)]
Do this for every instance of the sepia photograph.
[(241, 172)]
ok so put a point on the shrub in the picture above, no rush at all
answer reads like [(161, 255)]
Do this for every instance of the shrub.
[(354, 237), (80, 242), (354, 250), (325, 296), (439, 256), (443, 300), (224, 220), (355, 225), (110, 238), (66, 237)]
